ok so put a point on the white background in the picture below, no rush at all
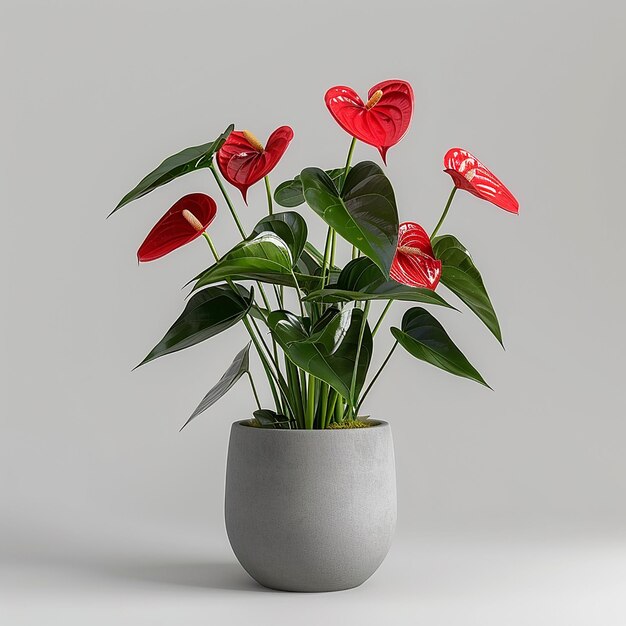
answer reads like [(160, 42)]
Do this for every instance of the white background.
[(512, 503)]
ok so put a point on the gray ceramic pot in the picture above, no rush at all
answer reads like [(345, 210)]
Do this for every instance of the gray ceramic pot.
[(310, 510)]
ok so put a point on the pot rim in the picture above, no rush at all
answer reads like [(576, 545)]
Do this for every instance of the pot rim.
[(376, 424)]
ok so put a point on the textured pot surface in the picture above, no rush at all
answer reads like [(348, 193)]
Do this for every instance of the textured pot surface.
[(310, 510)]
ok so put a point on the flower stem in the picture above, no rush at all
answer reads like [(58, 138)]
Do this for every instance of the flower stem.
[(445, 212), (347, 166), (380, 369), (269, 195), (229, 202), (382, 317), (266, 367), (326, 253), (355, 370), (216, 256), (256, 395), (242, 232)]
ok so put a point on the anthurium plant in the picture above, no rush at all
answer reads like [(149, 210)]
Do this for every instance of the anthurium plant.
[(316, 353)]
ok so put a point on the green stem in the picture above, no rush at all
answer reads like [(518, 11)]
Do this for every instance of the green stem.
[(324, 391), (347, 166), (445, 212), (329, 237), (330, 411), (382, 317), (251, 333), (256, 395), (216, 256), (310, 404), (380, 369), (231, 207), (333, 245), (269, 195), (339, 411), (356, 362)]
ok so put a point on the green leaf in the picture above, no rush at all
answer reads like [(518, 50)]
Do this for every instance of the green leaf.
[(459, 275), (364, 214), (207, 314), (289, 226), (424, 337), (239, 366), (265, 257), (361, 279), (331, 354), (188, 160), (289, 194), (270, 419)]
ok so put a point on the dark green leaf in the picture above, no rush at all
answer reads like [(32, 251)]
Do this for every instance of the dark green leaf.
[(365, 214), (460, 276), (270, 419), (289, 194), (424, 337), (207, 314), (361, 279), (239, 366), (265, 257), (188, 160), (289, 226), (331, 355)]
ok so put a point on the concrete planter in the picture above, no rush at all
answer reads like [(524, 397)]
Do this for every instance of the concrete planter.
[(310, 510)]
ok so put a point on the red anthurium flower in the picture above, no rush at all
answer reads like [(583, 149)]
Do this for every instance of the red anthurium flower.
[(382, 121), (415, 264), (185, 221), (470, 174), (244, 161)]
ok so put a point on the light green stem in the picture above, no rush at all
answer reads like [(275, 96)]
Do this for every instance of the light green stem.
[(269, 195), (329, 237), (380, 369), (355, 371), (382, 317), (347, 166), (310, 404), (445, 212), (256, 395), (229, 202), (216, 256)]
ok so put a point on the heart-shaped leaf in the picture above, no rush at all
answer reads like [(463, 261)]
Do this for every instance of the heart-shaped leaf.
[(329, 360), (265, 257), (239, 366), (267, 418), (424, 337), (289, 226), (188, 160), (461, 277), (207, 314), (289, 194), (364, 214), (361, 280)]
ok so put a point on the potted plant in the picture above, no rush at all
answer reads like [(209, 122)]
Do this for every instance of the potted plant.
[(310, 485)]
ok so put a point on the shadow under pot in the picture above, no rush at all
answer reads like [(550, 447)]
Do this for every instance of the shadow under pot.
[(310, 510)]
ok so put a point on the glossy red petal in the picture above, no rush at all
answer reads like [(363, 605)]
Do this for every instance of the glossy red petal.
[(173, 230), (470, 174), (384, 124), (414, 263), (243, 165)]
